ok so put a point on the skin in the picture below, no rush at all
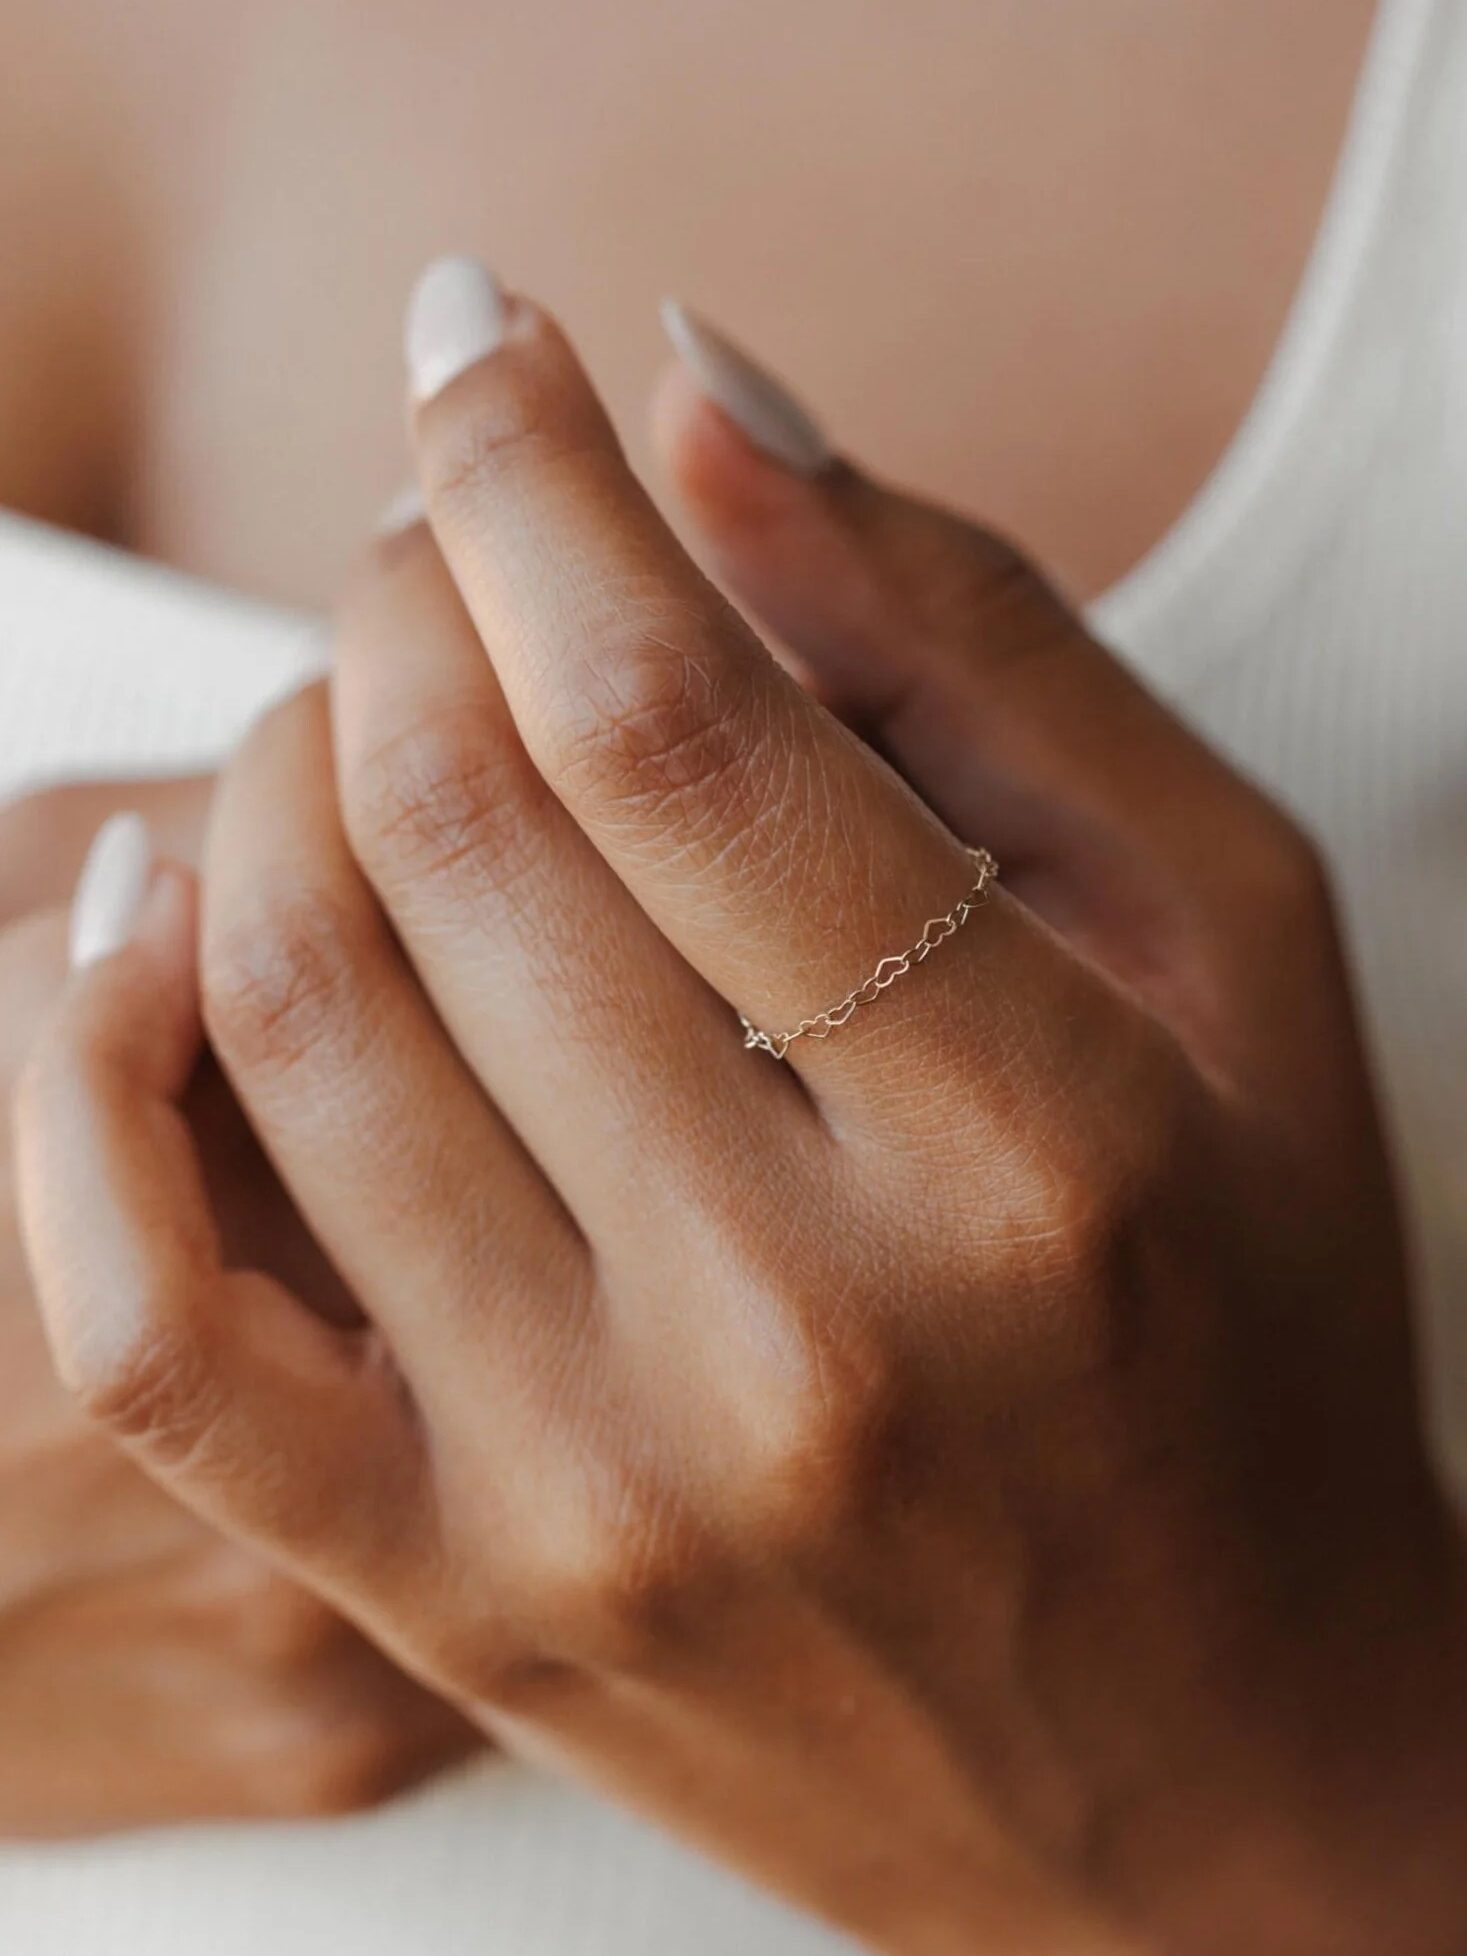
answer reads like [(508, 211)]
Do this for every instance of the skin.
[(1074, 233), (122, 152), (1039, 1553), (151, 1671)]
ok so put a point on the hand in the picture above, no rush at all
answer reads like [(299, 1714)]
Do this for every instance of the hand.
[(968, 1475), (44, 836), (151, 1671)]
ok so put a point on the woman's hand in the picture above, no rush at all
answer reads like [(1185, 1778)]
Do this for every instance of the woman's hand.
[(151, 1672), (44, 836), (966, 1475)]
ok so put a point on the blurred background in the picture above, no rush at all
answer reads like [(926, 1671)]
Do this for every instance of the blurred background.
[(1175, 294), (1034, 258)]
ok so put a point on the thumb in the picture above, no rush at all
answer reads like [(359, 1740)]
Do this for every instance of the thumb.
[(944, 646)]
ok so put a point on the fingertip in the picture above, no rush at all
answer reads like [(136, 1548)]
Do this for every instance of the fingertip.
[(137, 1007), (526, 393), (793, 549), (111, 888), (457, 315), (768, 413), (726, 481)]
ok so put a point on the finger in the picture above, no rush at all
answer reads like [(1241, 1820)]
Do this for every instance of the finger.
[(941, 643), (44, 838), (400, 1164), (951, 652), (779, 856), (272, 1424), (255, 1215), (557, 989), (32, 967)]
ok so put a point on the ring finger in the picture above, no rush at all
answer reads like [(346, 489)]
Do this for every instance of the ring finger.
[(780, 859)]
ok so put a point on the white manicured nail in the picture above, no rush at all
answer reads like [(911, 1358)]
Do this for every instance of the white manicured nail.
[(110, 889), (754, 400), (455, 316), (406, 508)]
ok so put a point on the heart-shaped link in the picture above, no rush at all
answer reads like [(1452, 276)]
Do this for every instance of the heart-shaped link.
[(937, 930)]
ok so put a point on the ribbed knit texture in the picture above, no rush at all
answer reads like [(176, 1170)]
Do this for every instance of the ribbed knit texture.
[(1309, 613)]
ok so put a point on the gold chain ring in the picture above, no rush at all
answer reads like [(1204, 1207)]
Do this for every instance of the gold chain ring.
[(937, 931)]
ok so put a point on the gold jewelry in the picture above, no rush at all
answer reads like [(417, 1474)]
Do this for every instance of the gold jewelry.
[(936, 931)]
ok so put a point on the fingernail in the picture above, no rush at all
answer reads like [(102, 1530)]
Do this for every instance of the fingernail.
[(110, 889), (752, 399), (406, 508), (455, 316)]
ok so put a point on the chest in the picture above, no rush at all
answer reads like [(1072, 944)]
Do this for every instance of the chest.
[(1033, 258)]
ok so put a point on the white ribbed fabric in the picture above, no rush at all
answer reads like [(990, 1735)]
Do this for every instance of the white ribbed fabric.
[(1309, 612)]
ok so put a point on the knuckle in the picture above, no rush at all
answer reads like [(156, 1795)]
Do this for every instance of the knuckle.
[(1096, 1210), (612, 1609), (1087, 1205), (450, 794), (609, 1594), (826, 1456), (155, 1390), (282, 977), (819, 1425), (668, 724)]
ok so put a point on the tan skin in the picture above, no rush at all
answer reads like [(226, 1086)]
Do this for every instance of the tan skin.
[(1038, 259), (1038, 1553), (131, 164), (152, 1672)]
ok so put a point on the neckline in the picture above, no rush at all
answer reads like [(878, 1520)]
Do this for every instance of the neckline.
[(1235, 493)]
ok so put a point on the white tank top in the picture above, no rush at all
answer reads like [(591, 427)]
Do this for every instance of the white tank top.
[(1309, 612)]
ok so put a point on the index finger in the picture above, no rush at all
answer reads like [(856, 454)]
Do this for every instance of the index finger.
[(778, 854)]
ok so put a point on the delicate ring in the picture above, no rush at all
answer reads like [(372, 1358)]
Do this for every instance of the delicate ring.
[(936, 931)]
